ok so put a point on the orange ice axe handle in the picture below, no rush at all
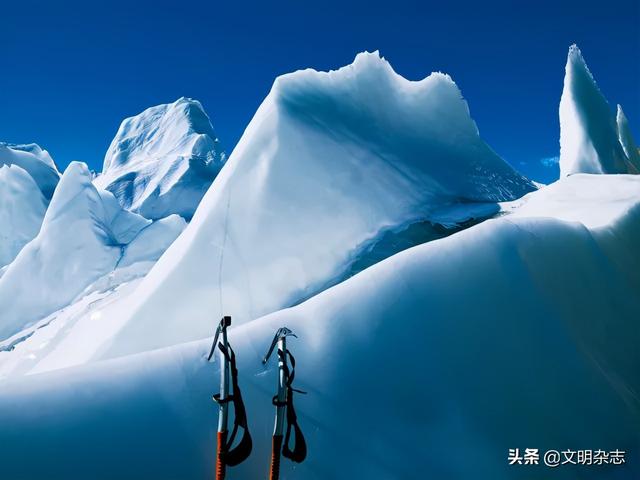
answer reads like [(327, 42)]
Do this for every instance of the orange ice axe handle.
[(221, 470), (276, 446)]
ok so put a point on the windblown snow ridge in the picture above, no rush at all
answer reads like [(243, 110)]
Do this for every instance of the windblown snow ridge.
[(423, 125)]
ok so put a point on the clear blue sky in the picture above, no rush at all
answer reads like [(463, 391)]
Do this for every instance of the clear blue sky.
[(71, 71)]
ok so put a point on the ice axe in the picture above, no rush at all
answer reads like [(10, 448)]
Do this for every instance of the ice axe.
[(283, 401), (225, 455)]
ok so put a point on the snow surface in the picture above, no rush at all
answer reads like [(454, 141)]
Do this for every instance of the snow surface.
[(588, 134), (75, 333), (22, 207), (152, 241), (84, 235), (37, 162), (163, 160), (579, 198), (329, 162), (626, 140), (518, 332)]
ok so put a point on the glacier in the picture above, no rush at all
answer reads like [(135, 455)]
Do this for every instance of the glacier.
[(84, 235), (446, 307), (162, 161), (588, 133), (394, 355), (363, 141)]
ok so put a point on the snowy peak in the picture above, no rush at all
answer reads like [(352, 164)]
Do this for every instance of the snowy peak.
[(626, 140), (427, 123), (71, 195), (160, 129), (163, 160), (359, 84), (77, 199), (35, 161), (588, 134), (576, 63)]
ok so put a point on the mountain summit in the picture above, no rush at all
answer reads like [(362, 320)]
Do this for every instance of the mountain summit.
[(163, 160)]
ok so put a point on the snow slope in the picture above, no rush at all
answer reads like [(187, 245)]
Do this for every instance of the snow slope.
[(519, 332), (22, 208), (626, 140), (580, 199), (76, 333), (588, 134), (84, 235), (329, 162), (37, 162), (163, 160)]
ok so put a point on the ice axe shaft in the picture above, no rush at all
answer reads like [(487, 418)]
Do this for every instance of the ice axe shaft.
[(223, 406), (281, 397), (223, 413), (280, 400)]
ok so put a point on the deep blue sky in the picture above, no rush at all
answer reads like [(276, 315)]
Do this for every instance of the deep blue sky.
[(71, 71)]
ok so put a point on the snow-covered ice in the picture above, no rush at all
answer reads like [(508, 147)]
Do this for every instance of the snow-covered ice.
[(75, 334), (36, 161), (461, 347), (163, 160), (453, 349), (28, 177), (84, 235), (152, 241), (588, 133), (362, 141), (580, 198)]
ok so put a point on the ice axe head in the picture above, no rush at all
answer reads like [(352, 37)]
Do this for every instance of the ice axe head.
[(281, 333), (224, 323)]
